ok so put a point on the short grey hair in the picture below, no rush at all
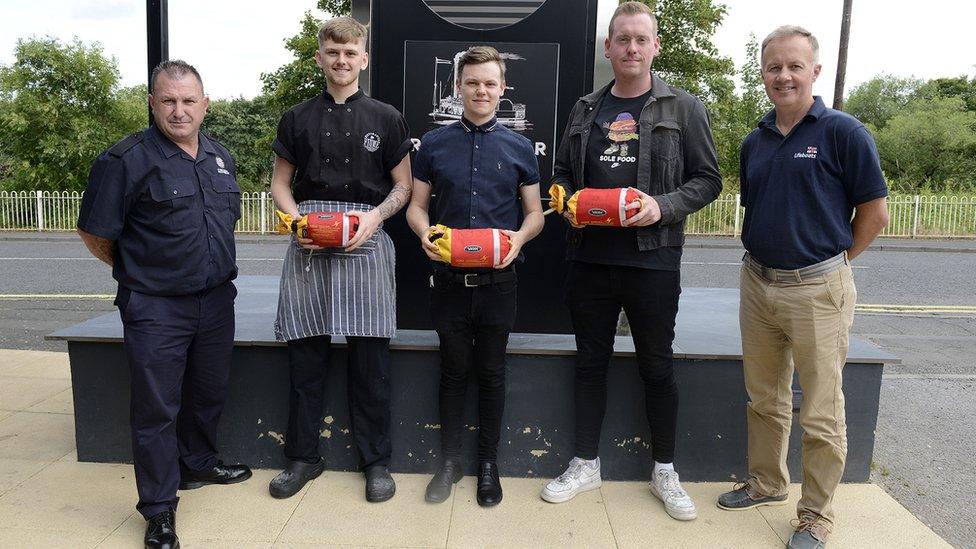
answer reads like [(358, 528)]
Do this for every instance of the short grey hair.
[(174, 68), (788, 31)]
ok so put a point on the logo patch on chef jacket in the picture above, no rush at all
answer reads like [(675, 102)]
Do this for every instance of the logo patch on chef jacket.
[(220, 166), (371, 142)]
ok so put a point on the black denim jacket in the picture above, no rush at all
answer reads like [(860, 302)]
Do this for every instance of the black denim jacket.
[(677, 165)]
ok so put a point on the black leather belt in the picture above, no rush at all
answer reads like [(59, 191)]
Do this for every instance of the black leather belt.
[(471, 280)]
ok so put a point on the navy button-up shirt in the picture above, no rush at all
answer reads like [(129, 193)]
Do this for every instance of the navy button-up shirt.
[(801, 189), (475, 173), (171, 216)]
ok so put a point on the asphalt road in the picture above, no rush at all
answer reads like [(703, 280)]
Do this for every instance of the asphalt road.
[(925, 443)]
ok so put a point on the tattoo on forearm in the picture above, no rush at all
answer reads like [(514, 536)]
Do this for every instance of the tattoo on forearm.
[(394, 201)]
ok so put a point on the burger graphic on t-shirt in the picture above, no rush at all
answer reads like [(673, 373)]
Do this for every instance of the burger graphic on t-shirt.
[(621, 130)]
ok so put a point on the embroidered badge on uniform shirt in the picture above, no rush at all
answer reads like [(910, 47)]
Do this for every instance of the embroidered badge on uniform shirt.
[(220, 166), (811, 153), (371, 142)]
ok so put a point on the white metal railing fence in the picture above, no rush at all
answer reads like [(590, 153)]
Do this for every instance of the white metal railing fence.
[(912, 216)]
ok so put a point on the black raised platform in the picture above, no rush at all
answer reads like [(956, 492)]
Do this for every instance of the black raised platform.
[(538, 425)]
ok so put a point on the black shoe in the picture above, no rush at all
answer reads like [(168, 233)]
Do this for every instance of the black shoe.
[(439, 488), (218, 474), (161, 531), (743, 497), (288, 482), (379, 484), (489, 487)]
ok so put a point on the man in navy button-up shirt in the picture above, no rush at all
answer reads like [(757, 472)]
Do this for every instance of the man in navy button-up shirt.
[(160, 208), (804, 171), (479, 170)]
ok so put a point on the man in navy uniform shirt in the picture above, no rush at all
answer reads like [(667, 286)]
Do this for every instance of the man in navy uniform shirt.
[(480, 171), (804, 172), (340, 151), (160, 208), (639, 132)]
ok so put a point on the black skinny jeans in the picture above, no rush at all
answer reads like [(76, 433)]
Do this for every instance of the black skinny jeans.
[(595, 295), (473, 326)]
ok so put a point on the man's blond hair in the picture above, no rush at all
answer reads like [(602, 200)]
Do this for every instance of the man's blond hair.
[(477, 55), (789, 31), (632, 8), (343, 30)]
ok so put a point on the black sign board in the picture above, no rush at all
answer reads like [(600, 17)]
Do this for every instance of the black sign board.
[(550, 65)]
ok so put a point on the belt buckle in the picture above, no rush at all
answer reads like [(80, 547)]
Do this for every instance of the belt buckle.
[(468, 284)]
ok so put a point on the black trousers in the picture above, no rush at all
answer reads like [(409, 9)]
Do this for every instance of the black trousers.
[(368, 385), (473, 326), (179, 353), (595, 294)]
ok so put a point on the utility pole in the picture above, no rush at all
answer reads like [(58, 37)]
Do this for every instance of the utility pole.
[(845, 35), (157, 38)]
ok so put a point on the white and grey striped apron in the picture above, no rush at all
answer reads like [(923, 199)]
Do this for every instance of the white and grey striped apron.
[(332, 292)]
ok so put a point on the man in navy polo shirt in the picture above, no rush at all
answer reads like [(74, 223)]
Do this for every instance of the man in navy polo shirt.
[(804, 172), (160, 208), (479, 170)]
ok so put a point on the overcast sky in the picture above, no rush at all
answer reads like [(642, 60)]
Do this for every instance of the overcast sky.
[(233, 42)]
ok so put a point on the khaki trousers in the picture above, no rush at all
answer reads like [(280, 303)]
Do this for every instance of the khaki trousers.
[(801, 325)]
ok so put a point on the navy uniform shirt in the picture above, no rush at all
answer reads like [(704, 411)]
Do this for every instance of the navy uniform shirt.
[(475, 173), (800, 190), (342, 152), (171, 216)]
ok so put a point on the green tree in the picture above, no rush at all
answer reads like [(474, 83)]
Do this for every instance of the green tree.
[(879, 99), (246, 127), (960, 87), (688, 57), (300, 78), (931, 145), (734, 116), (61, 106)]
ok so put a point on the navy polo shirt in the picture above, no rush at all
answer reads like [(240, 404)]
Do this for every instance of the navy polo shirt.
[(171, 216), (800, 190), (475, 173)]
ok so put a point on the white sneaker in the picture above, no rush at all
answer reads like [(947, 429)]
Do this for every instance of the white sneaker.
[(580, 476), (677, 502)]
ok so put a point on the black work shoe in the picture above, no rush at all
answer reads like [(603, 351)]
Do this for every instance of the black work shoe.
[(288, 482), (218, 474), (489, 487), (743, 497), (379, 484), (439, 488), (161, 531)]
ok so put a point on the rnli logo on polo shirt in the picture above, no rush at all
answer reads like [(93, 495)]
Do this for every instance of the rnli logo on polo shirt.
[(811, 153), (220, 166), (371, 142)]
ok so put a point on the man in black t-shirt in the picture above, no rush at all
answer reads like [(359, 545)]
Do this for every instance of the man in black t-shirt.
[(635, 132)]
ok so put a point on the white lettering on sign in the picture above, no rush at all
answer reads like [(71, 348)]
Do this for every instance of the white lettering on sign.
[(540, 148), (416, 143)]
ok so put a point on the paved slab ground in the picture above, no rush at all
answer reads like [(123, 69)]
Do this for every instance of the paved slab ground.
[(49, 500)]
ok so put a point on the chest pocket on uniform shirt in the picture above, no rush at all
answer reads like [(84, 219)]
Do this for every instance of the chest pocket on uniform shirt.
[(174, 200), (666, 140), (228, 193)]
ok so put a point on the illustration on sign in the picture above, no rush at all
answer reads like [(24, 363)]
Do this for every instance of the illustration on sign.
[(528, 106), (447, 103)]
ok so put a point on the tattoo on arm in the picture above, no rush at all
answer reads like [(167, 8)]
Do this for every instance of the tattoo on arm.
[(394, 201)]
